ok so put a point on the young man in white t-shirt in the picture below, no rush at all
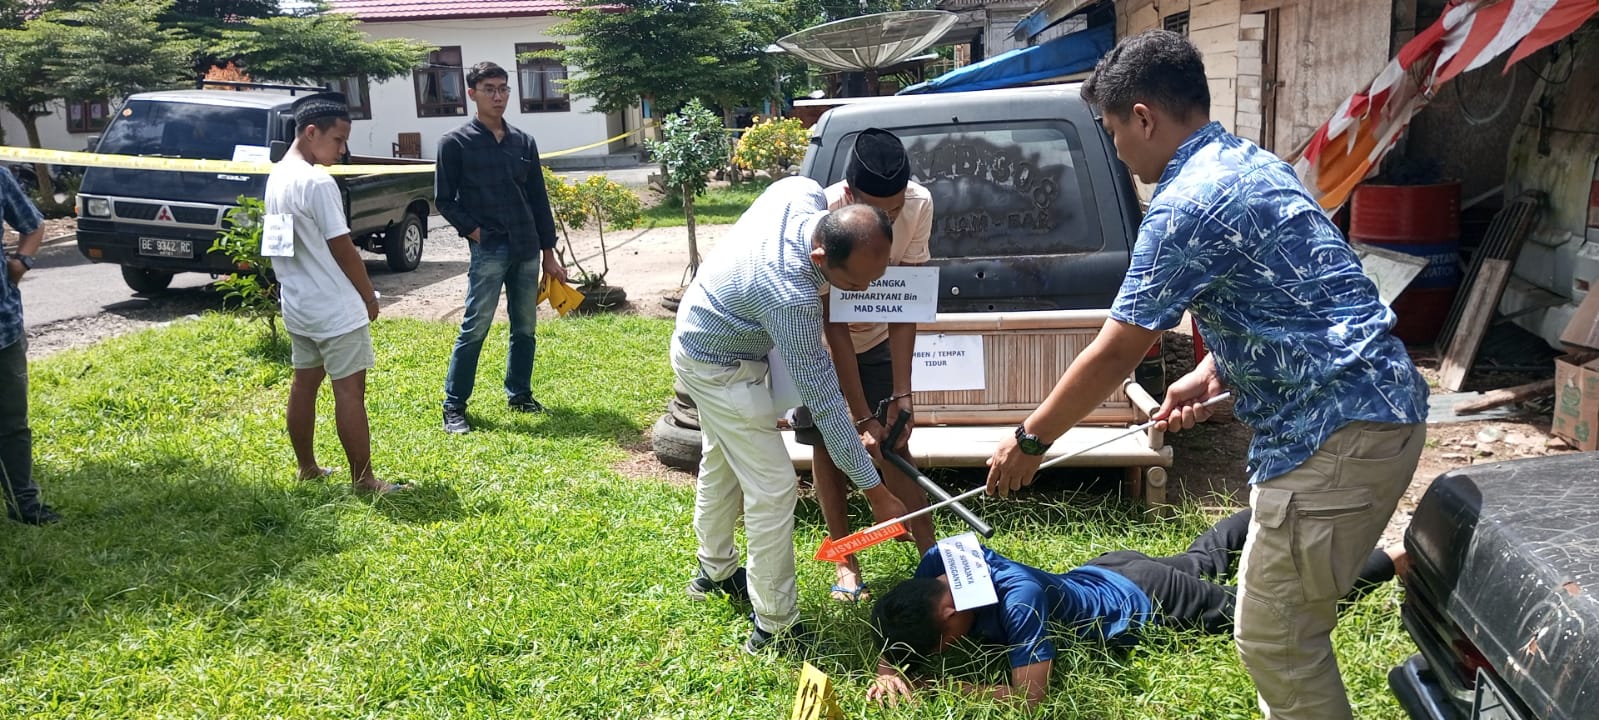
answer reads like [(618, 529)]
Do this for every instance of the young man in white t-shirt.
[(873, 360), (328, 301)]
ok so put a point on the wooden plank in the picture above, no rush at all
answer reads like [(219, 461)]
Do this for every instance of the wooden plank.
[(1484, 298), (1255, 6), (1019, 320), (1212, 41), (1503, 241), (972, 447), (1214, 13), (1505, 396), (1223, 64), (1141, 19)]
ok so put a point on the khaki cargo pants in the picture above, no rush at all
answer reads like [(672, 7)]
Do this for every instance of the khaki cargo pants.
[(1311, 529)]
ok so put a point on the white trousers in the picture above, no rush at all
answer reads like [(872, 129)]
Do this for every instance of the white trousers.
[(745, 468)]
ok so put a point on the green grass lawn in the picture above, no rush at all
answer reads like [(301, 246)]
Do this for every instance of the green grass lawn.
[(194, 577), (718, 206)]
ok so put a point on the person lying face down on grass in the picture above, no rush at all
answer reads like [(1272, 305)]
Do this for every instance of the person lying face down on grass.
[(1109, 599)]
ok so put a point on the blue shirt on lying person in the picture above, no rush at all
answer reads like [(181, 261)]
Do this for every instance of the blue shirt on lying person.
[(1090, 603)]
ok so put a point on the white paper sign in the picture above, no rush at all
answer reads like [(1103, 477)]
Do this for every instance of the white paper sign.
[(277, 235), (967, 571), (948, 362), (251, 153), (901, 295)]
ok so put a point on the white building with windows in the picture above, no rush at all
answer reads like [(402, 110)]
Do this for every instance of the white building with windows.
[(69, 126), (393, 115), (413, 111)]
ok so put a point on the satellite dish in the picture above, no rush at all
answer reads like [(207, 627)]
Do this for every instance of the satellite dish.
[(869, 42)]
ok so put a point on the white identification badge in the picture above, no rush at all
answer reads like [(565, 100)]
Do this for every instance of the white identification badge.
[(277, 235), (902, 295), (969, 581)]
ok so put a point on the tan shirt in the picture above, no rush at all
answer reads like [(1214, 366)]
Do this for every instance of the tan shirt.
[(912, 231)]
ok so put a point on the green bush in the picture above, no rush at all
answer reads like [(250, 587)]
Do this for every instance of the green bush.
[(772, 145), (598, 199), (253, 288)]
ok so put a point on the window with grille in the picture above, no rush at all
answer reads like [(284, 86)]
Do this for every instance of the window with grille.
[(541, 79), (1177, 23), (88, 116), (355, 94), (441, 84)]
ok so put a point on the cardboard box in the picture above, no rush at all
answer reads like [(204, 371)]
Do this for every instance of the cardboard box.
[(1576, 418)]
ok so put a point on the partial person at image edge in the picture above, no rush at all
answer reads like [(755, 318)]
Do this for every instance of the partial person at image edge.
[(1295, 331)]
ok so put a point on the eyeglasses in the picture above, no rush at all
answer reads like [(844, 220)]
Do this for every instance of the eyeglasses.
[(498, 91)]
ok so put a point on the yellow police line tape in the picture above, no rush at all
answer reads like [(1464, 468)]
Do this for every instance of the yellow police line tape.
[(137, 162)]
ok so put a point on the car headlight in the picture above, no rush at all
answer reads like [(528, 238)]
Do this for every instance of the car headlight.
[(97, 207)]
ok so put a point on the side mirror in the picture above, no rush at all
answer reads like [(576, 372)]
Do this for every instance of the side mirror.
[(277, 149), (94, 142)]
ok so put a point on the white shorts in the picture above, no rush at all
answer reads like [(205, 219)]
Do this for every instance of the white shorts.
[(341, 355)]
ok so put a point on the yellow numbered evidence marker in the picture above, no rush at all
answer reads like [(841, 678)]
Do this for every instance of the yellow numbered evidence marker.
[(815, 700), (561, 296)]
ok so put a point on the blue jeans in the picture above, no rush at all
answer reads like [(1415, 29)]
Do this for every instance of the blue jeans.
[(490, 269)]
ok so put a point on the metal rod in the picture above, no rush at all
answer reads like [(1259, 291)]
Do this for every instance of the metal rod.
[(905, 466)]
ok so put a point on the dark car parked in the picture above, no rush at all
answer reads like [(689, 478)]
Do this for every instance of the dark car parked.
[(1501, 594), (155, 223)]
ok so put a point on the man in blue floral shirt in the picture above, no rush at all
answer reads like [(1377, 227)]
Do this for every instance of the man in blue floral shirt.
[(1296, 331), (16, 439)]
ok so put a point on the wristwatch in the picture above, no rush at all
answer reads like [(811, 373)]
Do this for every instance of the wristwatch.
[(26, 260), (1029, 443)]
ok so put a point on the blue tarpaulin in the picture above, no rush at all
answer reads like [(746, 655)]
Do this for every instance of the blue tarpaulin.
[(1062, 56)]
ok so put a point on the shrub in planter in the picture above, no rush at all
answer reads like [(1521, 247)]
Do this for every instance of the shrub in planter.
[(692, 146), (601, 201)]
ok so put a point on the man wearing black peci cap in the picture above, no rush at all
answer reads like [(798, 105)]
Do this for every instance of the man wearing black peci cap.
[(874, 359), (328, 300)]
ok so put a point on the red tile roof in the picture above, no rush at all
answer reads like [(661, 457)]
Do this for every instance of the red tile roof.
[(398, 10)]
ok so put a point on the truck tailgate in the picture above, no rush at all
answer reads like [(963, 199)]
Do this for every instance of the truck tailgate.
[(1510, 551)]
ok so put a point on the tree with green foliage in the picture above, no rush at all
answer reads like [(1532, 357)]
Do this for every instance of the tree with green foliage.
[(670, 52), (772, 145), (107, 50), (115, 48), (598, 199), (304, 49), (83, 51), (692, 145)]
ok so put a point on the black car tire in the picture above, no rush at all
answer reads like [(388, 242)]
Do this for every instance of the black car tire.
[(146, 280), (675, 447), (403, 243), (681, 393), (684, 416)]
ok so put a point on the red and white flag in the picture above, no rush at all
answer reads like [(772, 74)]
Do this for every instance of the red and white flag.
[(1348, 147)]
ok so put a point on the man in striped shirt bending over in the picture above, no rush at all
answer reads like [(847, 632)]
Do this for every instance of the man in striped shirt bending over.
[(758, 290)]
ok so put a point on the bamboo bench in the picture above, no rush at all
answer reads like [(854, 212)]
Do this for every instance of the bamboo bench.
[(1025, 353)]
